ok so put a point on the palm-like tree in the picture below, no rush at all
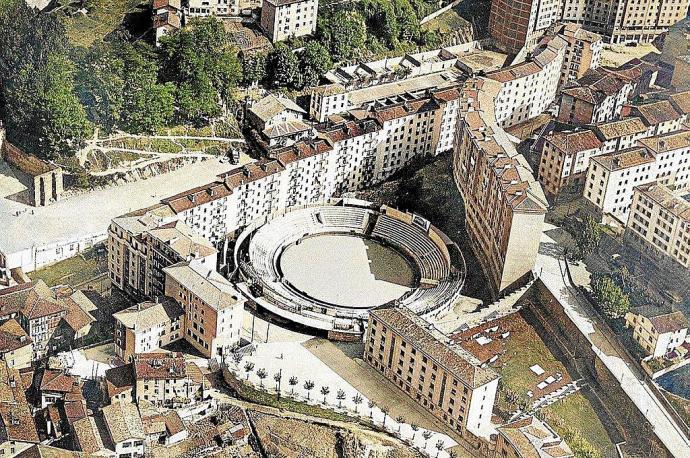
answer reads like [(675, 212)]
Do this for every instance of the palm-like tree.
[(385, 414), (439, 447), (308, 385), (426, 435), (340, 396), (248, 367), (357, 400), (262, 374), (399, 419), (292, 382), (237, 358), (371, 409), (277, 377), (324, 391), (415, 428)]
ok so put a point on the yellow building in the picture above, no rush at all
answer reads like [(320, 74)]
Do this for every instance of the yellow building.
[(658, 333), (213, 308), (444, 379), (16, 347)]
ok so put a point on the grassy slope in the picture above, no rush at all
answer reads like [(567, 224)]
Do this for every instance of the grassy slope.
[(104, 16)]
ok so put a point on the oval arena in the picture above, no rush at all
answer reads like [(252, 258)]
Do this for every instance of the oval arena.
[(325, 266)]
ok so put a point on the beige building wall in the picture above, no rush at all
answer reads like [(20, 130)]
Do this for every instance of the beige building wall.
[(20, 358)]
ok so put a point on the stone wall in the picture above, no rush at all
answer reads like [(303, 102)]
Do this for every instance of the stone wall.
[(562, 332)]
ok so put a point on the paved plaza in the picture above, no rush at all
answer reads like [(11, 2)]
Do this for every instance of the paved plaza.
[(293, 359)]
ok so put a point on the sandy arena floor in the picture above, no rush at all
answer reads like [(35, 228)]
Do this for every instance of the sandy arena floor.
[(346, 271)]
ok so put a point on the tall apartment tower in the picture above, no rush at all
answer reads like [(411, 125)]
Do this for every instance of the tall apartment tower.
[(516, 23)]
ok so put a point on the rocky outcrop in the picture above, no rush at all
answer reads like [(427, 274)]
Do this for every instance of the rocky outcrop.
[(75, 183)]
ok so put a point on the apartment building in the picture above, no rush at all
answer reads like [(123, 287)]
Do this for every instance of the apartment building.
[(529, 88), (565, 158), (283, 19), (141, 246), (166, 17), (504, 203), (365, 84), (658, 333), (146, 327), (163, 380), (516, 24), (583, 53), (660, 116), (213, 308), (659, 223), (611, 179), (443, 378), (278, 120), (620, 134), (596, 97), (201, 8)]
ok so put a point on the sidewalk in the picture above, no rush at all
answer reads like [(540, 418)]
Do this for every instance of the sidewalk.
[(551, 270)]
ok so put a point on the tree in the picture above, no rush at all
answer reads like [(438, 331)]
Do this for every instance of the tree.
[(324, 391), (371, 405), (385, 414), (408, 22), (237, 358), (426, 435), (439, 447), (587, 236), (345, 33), (147, 104), (381, 20), (284, 67), (100, 85), (610, 297), (340, 396), (248, 368), (415, 428), (254, 68), (292, 382), (308, 385), (357, 400), (205, 70), (277, 377), (314, 62), (399, 420), (262, 374), (61, 125)]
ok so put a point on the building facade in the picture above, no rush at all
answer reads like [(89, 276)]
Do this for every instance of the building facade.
[(419, 360), (504, 203), (659, 223), (283, 19), (658, 334), (213, 308)]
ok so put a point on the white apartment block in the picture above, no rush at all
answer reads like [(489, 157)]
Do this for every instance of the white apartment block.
[(659, 222), (529, 88), (283, 19), (612, 177)]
